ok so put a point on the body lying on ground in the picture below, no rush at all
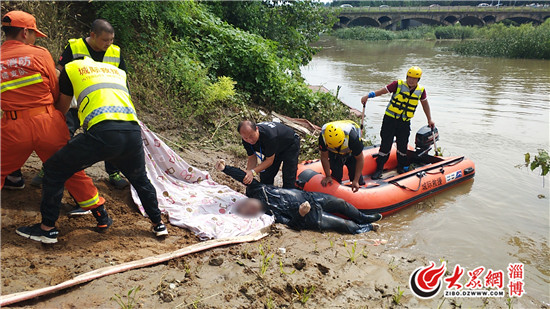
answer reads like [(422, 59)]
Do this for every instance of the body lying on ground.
[(300, 209)]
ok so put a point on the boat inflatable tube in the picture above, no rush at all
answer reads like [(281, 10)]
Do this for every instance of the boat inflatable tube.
[(431, 175)]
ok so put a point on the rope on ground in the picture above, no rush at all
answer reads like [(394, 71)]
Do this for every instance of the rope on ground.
[(110, 270)]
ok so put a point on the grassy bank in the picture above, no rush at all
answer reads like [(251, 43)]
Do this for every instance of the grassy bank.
[(423, 32), (498, 40), (525, 41), (191, 71)]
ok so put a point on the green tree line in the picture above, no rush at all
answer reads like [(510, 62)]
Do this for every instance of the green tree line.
[(498, 40)]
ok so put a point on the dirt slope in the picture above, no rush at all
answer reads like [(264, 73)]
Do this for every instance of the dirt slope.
[(228, 277)]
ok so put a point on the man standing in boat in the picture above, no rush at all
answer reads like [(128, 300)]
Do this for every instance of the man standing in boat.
[(274, 144), (406, 94), (340, 144)]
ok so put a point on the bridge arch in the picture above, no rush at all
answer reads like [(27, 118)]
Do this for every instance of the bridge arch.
[(391, 19), (489, 19), (364, 22), (427, 21), (344, 20), (471, 21), (522, 20), (405, 23), (451, 19), (384, 19)]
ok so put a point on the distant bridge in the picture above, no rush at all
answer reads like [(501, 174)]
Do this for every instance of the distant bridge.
[(400, 17)]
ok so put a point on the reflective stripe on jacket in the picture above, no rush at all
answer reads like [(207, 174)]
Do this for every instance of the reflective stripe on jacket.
[(403, 103), (79, 49), (347, 126), (100, 91), (22, 82)]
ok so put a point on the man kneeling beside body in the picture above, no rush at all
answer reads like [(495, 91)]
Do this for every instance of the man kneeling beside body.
[(300, 209)]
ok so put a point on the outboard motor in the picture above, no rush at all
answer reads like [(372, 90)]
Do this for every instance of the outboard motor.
[(424, 140)]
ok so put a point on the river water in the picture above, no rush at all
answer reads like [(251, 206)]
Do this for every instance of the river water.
[(490, 110)]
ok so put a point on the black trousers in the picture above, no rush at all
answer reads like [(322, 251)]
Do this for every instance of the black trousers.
[(337, 163), (391, 128), (74, 124), (289, 159), (357, 222), (123, 148)]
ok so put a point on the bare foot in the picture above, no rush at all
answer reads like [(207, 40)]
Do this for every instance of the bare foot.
[(220, 165), (376, 227), (304, 209)]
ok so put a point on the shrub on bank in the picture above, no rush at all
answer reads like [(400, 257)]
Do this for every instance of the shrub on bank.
[(416, 33), (453, 32), (498, 40), (524, 41), (364, 34), (425, 32)]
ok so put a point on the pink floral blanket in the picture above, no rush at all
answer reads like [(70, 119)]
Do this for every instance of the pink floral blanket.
[(190, 198)]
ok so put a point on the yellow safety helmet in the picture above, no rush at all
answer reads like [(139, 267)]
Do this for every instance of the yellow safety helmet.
[(334, 136), (414, 72)]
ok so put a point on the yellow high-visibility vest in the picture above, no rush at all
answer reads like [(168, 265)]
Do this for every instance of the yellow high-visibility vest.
[(79, 49), (100, 91), (403, 103), (347, 126)]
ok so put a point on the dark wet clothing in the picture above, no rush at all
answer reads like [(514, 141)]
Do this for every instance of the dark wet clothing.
[(284, 205), (337, 161), (276, 139)]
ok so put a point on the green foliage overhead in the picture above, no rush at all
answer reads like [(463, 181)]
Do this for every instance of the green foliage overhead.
[(292, 24), (185, 48)]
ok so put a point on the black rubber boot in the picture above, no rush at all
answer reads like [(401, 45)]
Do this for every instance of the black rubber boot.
[(370, 218), (377, 174), (103, 220)]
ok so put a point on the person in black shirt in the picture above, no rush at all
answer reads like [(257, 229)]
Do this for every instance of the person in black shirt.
[(98, 46), (340, 144), (95, 46), (300, 209), (273, 143)]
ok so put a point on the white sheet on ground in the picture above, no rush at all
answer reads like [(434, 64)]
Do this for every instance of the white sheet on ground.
[(190, 197)]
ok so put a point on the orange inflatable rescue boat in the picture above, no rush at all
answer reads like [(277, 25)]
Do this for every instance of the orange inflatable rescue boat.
[(428, 176)]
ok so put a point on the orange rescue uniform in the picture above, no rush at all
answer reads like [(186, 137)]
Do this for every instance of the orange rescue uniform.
[(30, 122)]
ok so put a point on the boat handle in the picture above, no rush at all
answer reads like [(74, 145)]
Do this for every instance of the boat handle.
[(420, 175)]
